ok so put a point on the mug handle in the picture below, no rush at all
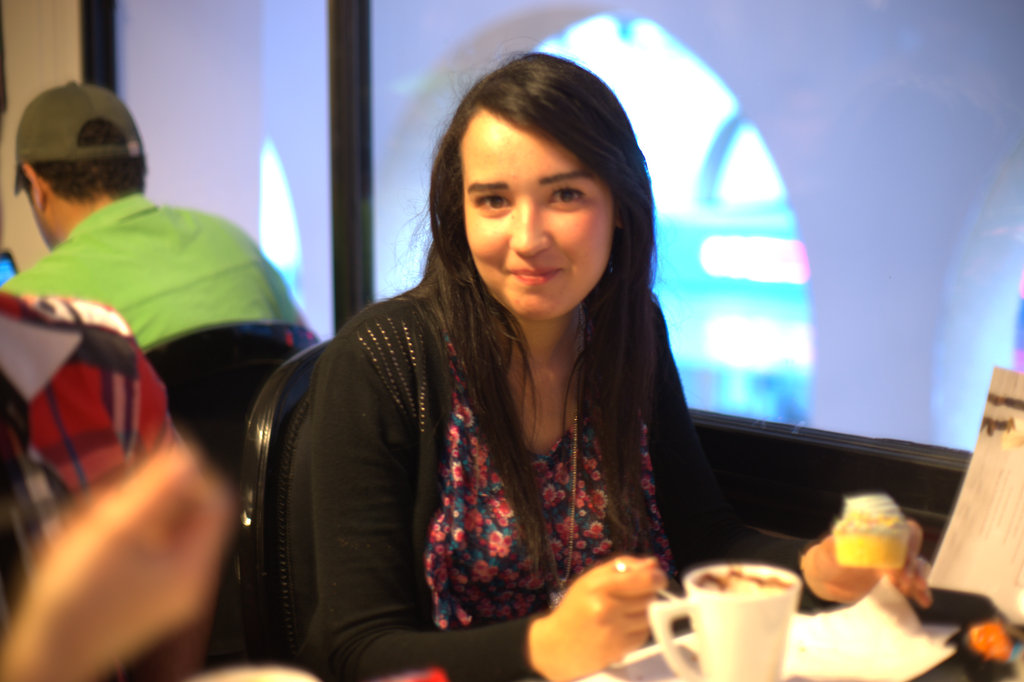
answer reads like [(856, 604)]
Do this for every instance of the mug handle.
[(661, 615)]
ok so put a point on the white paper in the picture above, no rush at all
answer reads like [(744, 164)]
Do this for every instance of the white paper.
[(50, 346), (982, 549), (878, 639)]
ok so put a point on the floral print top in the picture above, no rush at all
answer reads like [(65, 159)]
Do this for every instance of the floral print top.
[(476, 566)]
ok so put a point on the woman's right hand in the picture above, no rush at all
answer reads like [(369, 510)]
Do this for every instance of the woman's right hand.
[(602, 617)]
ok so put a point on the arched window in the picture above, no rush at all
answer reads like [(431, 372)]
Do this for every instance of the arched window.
[(732, 276)]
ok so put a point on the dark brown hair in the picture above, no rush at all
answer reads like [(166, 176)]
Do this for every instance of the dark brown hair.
[(615, 371)]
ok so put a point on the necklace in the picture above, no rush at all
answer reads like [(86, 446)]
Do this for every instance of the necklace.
[(557, 595)]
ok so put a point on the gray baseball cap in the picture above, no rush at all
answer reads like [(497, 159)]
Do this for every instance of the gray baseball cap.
[(51, 124)]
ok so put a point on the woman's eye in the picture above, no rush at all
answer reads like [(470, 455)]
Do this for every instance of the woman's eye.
[(490, 201), (567, 194)]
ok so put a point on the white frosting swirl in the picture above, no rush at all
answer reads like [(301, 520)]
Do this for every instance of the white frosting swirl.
[(871, 504)]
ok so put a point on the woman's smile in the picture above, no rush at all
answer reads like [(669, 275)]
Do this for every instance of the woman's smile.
[(535, 277)]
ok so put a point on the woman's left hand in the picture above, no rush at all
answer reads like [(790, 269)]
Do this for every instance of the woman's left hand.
[(832, 582)]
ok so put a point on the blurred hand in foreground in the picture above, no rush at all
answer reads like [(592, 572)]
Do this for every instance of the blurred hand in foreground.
[(135, 562)]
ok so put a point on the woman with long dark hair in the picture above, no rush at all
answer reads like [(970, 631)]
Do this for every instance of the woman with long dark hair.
[(503, 468)]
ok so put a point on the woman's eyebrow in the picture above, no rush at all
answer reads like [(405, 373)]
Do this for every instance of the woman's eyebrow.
[(487, 187)]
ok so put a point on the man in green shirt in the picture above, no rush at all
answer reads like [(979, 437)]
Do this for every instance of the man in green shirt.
[(166, 270)]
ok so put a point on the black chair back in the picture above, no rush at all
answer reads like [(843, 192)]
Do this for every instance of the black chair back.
[(212, 377), (278, 587)]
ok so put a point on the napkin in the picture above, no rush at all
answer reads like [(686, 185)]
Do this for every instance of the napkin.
[(878, 639)]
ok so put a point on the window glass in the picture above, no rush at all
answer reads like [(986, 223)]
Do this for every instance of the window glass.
[(231, 100), (827, 178), (732, 276)]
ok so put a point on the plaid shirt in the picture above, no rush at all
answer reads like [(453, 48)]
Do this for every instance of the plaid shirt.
[(78, 400)]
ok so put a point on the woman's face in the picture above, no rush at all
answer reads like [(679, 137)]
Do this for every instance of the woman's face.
[(539, 223)]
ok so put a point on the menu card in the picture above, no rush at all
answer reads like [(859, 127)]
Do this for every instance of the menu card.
[(982, 549)]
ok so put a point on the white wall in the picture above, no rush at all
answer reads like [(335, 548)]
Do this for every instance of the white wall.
[(42, 48)]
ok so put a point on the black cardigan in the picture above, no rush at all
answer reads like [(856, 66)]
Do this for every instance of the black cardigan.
[(380, 398)]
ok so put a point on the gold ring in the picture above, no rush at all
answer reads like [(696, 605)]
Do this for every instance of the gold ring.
[(620, 566)]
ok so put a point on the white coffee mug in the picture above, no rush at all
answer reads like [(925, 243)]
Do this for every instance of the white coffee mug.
[(740, 613)]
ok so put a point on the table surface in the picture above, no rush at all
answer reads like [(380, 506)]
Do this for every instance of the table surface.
[(961, 667)]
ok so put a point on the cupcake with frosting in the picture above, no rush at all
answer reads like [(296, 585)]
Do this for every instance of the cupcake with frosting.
[(871, 533)]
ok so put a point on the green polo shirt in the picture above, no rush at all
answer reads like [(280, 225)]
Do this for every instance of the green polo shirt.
[(166, 270)]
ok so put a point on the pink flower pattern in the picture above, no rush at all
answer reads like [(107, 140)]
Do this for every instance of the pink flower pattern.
[(475, 563)]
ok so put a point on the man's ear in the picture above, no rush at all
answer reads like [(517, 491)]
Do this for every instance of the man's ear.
[(38, 189)]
